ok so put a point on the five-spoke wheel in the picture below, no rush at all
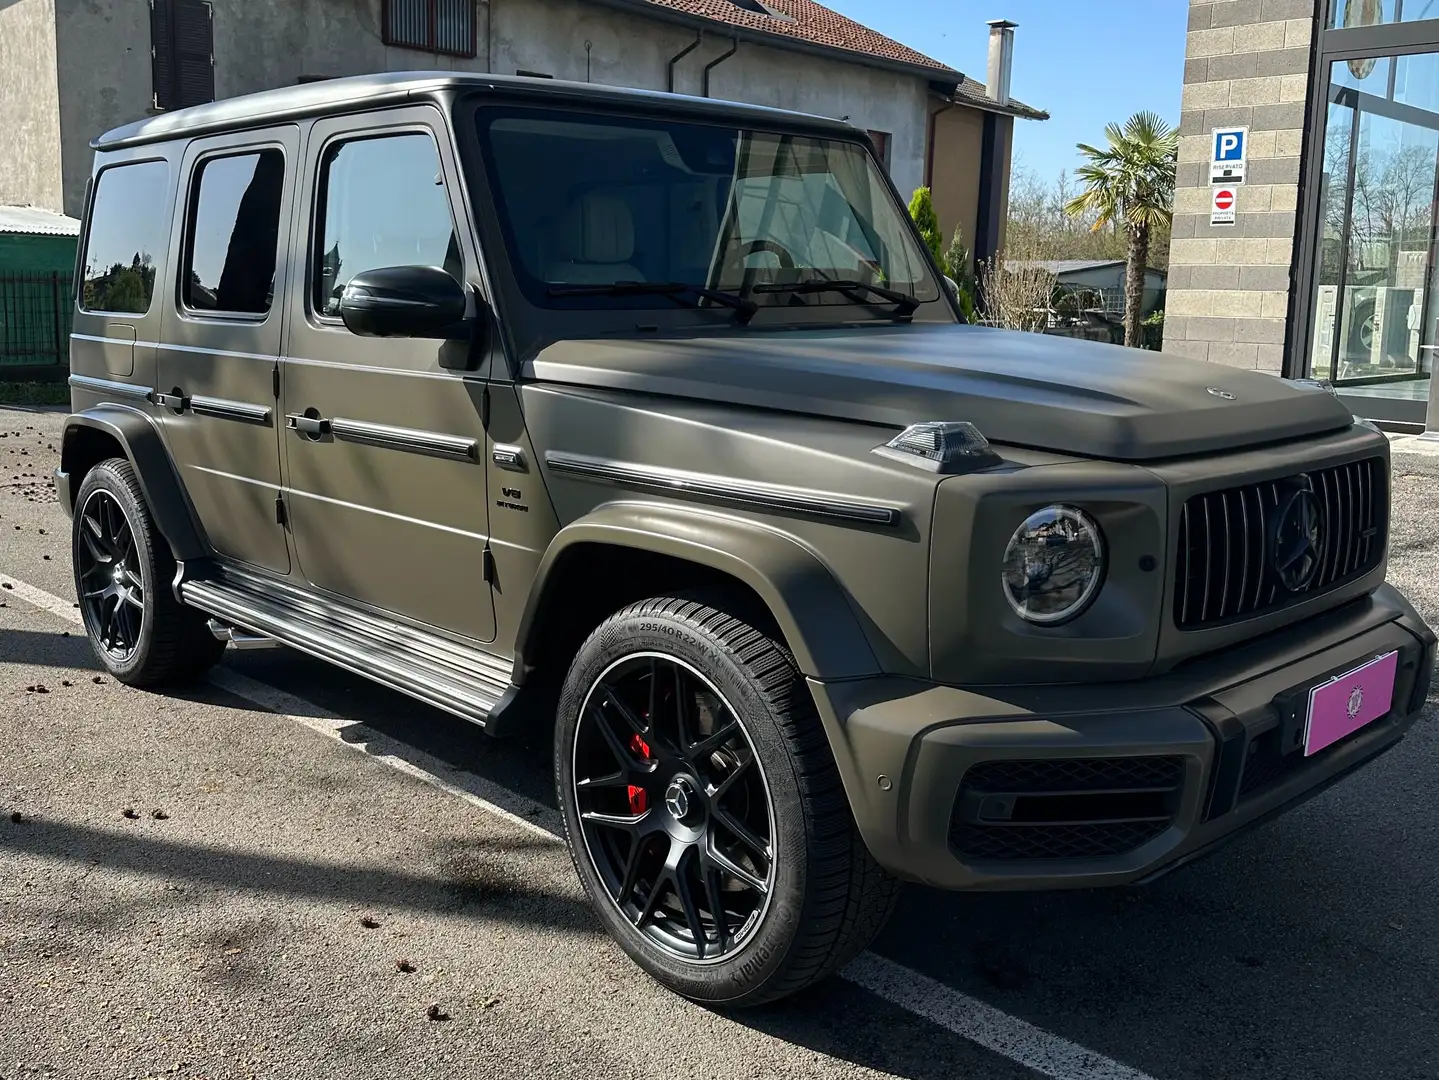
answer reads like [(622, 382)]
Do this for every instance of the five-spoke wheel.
[(703, 807), (673, 806), (123, 566), (112, 588)]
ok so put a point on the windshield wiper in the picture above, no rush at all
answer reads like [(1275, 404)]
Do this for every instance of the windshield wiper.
[(850, 287), (744, 307)]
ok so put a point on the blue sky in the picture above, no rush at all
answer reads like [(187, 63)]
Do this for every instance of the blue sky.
[(1086, 61)]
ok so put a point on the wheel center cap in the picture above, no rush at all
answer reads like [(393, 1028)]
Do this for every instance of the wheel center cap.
[(680, 800)]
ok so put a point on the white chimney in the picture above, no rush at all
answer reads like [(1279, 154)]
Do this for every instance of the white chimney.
[(1001, 60)]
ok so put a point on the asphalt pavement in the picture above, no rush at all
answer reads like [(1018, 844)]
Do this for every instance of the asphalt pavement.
[(199, 887)]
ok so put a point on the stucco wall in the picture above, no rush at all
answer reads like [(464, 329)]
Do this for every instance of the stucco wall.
[(261, 44), (30, 161)]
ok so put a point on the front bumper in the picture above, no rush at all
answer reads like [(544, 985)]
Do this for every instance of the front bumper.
[(1040, 787)]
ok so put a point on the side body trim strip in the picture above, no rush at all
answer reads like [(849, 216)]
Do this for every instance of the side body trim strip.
[(736, 492), (411, 439)]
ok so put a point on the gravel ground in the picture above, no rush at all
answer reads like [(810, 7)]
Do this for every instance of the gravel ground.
[(191, 887)]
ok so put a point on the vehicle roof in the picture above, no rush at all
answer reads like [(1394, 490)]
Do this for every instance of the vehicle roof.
[(360, 92)]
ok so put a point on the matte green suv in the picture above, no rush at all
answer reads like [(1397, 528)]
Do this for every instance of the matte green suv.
[(650, 418)]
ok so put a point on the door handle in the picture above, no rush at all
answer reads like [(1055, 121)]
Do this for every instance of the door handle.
[(305, 424), (174, 400)]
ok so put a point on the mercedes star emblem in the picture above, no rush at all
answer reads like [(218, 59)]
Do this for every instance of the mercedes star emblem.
[(1298, 539), (1220, 392), (677, 798)]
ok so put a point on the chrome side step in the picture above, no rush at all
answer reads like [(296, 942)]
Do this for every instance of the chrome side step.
[(446, 674), (240, 639)]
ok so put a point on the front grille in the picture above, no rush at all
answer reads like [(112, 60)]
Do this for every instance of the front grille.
[(1068, 808), (1226, 542)]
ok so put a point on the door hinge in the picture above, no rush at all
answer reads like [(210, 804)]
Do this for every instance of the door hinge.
[(275, 382), (485, 408), (281, 518), (488, 560)]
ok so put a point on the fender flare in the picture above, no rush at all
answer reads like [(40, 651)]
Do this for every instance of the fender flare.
[(802, 594), (139, 438)]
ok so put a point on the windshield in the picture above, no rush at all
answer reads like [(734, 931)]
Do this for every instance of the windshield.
[(588, 202)]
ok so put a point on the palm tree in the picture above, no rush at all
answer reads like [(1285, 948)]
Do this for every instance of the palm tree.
[(1130, 183)]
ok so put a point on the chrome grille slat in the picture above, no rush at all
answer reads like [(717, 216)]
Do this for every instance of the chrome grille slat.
[(1223, 566)]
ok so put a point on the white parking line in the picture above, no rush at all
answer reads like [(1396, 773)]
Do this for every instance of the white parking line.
[(965, 1016)]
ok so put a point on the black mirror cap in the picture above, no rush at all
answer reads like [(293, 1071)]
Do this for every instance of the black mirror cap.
[(404, 301)]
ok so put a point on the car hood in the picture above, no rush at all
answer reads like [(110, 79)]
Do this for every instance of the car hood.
[(1046, 392)]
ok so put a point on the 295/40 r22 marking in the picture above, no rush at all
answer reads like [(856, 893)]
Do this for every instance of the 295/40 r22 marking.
[(674, 807)]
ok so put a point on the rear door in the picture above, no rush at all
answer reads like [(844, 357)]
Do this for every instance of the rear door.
[(387, 502), (217, 371)]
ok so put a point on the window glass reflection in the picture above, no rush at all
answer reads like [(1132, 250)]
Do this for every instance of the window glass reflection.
[(385, 205), (1374, 314), (234, 234), (129, 227), (1352, 14)]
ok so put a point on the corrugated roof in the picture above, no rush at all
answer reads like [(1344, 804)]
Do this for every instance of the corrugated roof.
[(32, 219), (1070, 266)]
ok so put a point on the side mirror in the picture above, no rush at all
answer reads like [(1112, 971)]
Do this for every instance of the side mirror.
[(404, 301)]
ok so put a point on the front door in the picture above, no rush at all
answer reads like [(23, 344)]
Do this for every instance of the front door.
[(386, 501), (220, 335)]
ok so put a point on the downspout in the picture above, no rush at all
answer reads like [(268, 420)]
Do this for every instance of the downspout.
[(716, 62), (677, 57)]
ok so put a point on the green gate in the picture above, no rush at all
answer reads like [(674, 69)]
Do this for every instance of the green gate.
[(35, 311)]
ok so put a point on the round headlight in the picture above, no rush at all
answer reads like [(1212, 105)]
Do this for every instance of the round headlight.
[(1054, 565)]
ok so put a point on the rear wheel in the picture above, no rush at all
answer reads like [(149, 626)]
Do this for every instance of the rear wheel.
[(704, 810), (123, 570)]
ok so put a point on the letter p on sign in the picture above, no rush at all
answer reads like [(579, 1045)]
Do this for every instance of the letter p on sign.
[(1229, 144)]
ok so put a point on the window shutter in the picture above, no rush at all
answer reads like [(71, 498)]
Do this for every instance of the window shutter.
[(182, 47), (162, 63), (194, 52)]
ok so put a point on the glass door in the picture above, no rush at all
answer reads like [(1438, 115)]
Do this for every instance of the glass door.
[(1375, 329)]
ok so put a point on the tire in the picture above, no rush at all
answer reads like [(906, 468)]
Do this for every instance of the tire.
[(141, 634), (827, 897)]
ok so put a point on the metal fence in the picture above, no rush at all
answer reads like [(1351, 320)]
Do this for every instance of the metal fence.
[(35, 310)]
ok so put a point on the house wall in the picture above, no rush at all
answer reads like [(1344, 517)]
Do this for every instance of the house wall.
[(30, 164), (955, 170), (261, 44), (1247, 64)]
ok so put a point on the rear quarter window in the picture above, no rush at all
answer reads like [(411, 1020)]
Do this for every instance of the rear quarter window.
[(129, 227)]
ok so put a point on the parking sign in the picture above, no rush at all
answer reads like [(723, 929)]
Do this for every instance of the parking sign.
[(1226, 164)]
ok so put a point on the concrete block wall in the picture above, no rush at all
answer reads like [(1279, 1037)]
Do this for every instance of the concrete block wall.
[(1247, 63)]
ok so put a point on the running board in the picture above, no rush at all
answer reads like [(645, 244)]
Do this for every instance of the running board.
[(447, 674)]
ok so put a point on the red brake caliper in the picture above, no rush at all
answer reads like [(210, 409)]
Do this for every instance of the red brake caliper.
[(639, 799)]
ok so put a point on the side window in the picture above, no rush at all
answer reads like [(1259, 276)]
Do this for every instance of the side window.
[(233, 234), (384, 204), (129, 224)]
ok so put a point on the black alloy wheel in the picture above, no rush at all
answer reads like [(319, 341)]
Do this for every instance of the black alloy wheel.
[(112, 585), (675, 813)]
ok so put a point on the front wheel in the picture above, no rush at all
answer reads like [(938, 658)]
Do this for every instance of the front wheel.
[(704, 810)]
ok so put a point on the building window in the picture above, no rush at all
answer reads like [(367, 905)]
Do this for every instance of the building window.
[(437, 26), (129, 225), (182, 52), (385, 205), (881, 146), (234, 232)]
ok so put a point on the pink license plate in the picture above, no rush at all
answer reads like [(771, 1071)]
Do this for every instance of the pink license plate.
[(1347, 702)]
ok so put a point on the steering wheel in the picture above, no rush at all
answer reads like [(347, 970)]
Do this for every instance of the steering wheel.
[(734, 261)]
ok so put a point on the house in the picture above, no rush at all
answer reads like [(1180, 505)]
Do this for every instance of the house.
[(1100, 283), (37, 263), (70, 71)]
